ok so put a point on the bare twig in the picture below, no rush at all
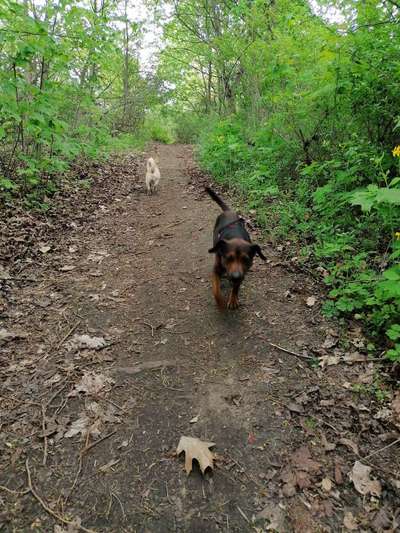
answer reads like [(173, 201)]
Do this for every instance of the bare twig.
[(114, 404), (44, 435), (78, 473), (70, 332), (151, 326), (96, 442), (11, 278), (167, 494), (381, 449), (302, 356), (242, 513), (17, 492), (120, 504), (56, 394), (48, 509), (326, 423)]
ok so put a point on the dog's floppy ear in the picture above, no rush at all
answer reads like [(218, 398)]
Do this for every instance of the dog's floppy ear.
[(257, 250), (219, 247)]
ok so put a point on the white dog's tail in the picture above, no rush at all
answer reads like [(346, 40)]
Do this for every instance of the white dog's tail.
[(151, 165)]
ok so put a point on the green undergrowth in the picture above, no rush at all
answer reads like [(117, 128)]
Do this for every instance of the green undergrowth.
[(37, 177), (340, 214)]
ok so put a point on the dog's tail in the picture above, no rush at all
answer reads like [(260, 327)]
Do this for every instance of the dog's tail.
[(217, 199)]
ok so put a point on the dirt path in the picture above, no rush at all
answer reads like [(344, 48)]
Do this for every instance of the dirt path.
[(106, 421)]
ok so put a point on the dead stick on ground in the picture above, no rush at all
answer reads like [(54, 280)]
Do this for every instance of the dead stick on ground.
[(81, 454), (96, 442), (381, 450), (17, 492), (21, 279), (167, 493), (302, 356), (44, 435), (48, 509), (151, 326), (326, 424), (56, 394), (67, 335), (242, 513), (78, 473)]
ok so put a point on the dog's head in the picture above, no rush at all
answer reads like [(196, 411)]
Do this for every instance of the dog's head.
[(236, 257)]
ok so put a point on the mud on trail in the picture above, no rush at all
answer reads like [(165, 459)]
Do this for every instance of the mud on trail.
[(112, 349)]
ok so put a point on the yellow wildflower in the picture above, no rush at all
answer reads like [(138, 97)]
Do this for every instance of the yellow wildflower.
[(397, 235), (396, 151)]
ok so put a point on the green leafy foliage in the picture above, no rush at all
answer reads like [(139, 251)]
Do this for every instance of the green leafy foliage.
[(69, 86), (302, 120)]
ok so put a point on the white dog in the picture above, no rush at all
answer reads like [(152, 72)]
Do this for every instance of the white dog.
[(152, 176)]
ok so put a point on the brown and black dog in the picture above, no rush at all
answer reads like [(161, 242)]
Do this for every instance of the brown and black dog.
[(234, 252)]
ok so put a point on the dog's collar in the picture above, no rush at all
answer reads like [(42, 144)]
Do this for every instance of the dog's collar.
[(230, 225)]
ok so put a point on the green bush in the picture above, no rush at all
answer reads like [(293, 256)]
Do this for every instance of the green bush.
[(188, 127), (160, 128), (342, 211)]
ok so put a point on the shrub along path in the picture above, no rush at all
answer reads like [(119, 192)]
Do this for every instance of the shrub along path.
[(112, 349)]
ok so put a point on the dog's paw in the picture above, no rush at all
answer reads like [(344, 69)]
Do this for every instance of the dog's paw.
[(233, 303)]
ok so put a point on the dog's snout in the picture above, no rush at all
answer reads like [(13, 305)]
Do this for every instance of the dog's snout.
[(236, 276)]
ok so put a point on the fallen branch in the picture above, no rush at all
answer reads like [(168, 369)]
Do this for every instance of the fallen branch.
[(48, 509), (17, 492), (397, 441), (96, 442), (12, 278), (70, 332), (302, 356), (151, 326), (147, 365), (44, 435)]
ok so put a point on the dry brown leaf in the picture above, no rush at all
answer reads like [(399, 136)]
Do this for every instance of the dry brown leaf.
[(289, 479), (338, 472), (7, 336), (352, 446), (92, 383), (349, 522), (44, 248), (330, 341), (367, 377), (328, 446), (354, 357), (303, 479), (300, 471), (85, 341), (302, 460), (326, 484), (67, 268), (275, 518), (97, 256), (385, 521), (311, 301), (195, 448), (295, 407), (360, 476), (84, 426), (4, 273), (329, 360)]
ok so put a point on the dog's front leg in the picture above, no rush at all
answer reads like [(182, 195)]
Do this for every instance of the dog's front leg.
[(216, 288), (233, 302)]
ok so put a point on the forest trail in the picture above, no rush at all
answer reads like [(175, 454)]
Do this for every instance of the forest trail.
[(136, 276)]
